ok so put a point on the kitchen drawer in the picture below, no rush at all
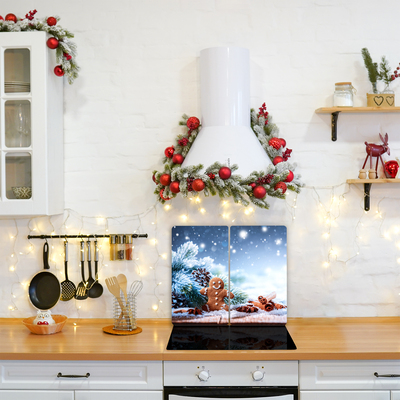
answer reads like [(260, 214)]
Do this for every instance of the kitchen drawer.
[(35, 395), (346, 395), (118, 395), (349, 375), (237, 373), (122, 375)]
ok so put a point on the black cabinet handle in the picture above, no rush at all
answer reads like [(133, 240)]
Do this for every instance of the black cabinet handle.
[(60, 375), (386, 376)]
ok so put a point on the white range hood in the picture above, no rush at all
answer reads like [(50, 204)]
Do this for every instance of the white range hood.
[(226, 135)]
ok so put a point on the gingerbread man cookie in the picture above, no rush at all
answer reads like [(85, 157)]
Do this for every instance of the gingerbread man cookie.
[(216, 295)]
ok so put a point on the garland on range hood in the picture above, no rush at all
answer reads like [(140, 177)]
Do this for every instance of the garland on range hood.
[(218, 178)]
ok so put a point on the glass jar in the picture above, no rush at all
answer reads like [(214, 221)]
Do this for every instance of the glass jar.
[(128, 247), (113, 247), (120, 247), (343, 95)]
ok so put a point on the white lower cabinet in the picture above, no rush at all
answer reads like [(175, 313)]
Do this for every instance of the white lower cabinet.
[(35, 395), (117, 395), (349, 380), (344, 395), (83, 380)]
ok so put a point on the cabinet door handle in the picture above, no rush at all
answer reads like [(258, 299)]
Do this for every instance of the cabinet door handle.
[(60, 375), (386, 376)]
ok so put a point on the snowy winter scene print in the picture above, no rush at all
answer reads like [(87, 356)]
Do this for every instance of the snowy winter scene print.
[(200, 271), (258, 269)]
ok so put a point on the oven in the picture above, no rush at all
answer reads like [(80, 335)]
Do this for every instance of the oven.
[(210, 380)]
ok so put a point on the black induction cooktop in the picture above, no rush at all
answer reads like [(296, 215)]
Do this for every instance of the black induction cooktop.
[(230, 337)]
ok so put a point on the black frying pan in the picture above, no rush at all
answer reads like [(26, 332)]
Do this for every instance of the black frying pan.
[(45, 288)]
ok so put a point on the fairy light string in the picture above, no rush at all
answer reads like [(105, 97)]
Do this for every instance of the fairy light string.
[(329, 212)]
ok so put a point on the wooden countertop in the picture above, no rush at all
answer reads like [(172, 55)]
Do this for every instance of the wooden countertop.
[(315, 338)]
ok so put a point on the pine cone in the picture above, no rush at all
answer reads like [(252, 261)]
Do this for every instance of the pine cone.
[(178, 300), (201, 276)]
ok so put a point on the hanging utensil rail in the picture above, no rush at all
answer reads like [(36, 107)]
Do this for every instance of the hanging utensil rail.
[(134, 236)]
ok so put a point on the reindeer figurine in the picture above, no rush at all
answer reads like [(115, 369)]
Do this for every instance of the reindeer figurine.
[(376, 150)]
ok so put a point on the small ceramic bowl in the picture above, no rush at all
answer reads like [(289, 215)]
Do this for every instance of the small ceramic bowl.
[(22, 192), (60, 321)]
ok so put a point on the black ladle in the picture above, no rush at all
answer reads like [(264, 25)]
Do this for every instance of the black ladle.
[(96, 289)]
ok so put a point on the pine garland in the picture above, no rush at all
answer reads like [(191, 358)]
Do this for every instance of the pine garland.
[(237, 187), (65, 46)]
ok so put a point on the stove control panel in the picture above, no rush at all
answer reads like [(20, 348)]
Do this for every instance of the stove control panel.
[(257, 375), (204, 375)]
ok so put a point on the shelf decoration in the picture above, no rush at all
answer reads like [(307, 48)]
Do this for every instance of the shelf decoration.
[(376, 150), (377, 73), (220, 178), (60, 40)]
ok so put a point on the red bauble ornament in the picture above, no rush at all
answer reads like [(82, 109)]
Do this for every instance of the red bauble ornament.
[(164, 198), (52, 43), (1, 18), (391, 168), (174, 187), (11, 17), (275, 143), (169, 151), (259, 192), (51, 21), (165, 179), (58, 70), (225, 173), (154, 179), (283, 142), (253, 185), (177, 159), (198, 185), (277, 160), (67, 56), (281, 185), (289, 177), (193, 123)]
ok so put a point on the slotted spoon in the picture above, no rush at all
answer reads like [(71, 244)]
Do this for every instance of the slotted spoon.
[(68, 288)]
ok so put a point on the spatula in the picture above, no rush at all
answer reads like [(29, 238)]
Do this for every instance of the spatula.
[(68, 287), (115, 290)]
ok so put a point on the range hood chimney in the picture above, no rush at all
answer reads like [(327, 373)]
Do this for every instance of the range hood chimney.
[(226, 135)]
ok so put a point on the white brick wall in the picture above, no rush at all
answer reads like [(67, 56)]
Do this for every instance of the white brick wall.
[(139, 74)]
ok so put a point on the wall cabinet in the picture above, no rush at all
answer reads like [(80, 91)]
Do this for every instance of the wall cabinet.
[(31, 127)]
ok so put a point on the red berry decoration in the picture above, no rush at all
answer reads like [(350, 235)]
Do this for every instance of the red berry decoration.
[(275, 143), (174, 187), (225, 173), (277, 160), (281, 185), (11, 17), (183, 142), (198, 185), (164, 198), (193, 123), (259, 192), (52, 43), (58, 70), (51, 21), (177, 159), (289, 177), (169, 151), (67, 56), (165, 179), (283, 142), (211, 176)]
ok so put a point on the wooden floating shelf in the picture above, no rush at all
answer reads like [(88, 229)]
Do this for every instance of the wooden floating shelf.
[(330, 110), (367, 187), (335, 111)]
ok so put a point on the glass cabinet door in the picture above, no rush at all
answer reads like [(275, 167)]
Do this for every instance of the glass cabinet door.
[(18, 176), (17, 123), (17, 67)]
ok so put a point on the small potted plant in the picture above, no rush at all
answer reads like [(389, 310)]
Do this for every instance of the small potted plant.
[(377, 73)]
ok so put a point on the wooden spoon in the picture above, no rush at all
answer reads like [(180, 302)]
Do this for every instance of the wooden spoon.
[(123, 284)]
